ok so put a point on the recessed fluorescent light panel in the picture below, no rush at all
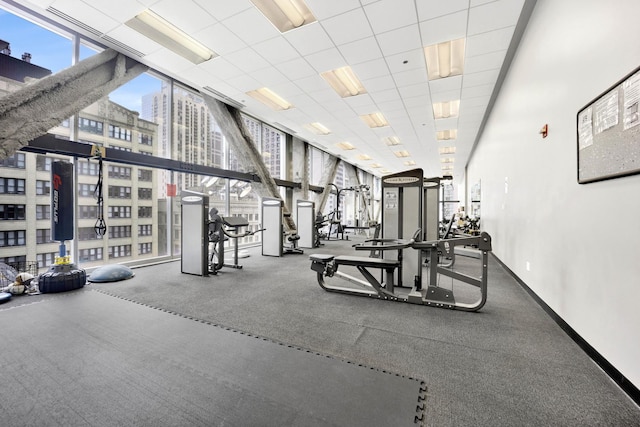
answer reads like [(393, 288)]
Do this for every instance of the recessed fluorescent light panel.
[(375, 120), (345, 146), (318, 128), (445, 110), (445, 135), (163, 32), (270, 99), (409, 163), (401, 153), (376, 165), (445, 59), (364, 157), (392, 140), (447, 168), (344, 82), (447, 150), (285, 15), (447, 160)]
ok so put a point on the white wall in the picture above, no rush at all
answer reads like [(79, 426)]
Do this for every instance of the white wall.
[(582, 242)]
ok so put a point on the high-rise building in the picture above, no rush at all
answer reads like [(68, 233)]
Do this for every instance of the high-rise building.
[(130, 192)]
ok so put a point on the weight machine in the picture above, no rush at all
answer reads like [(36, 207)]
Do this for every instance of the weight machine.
[(399, 266)]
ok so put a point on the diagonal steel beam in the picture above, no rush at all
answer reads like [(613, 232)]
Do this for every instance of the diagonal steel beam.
[(37, 107), (234, 130)]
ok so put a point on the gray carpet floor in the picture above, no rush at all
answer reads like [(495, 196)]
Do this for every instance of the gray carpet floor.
[(507, 365)]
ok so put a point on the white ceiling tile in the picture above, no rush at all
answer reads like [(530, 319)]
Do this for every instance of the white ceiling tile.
[(223, 9), (219, 38), (410, 77), (393, 105), (186, 15), (270, 76), (489, 61), (287, 89), (296, 69), (481, 78), (474, 102), (276, 50), (169, 60), (415, 90), (134, 39), (244, 83), (391, 63), (325, 96), (221, 68), (444, 28), (434, 9), (120, 10), (381, 83), (385, 95), (401, 40), (312, 83), (444, 124), (247, 60), (490, 41), (414, 59), (417, 102), (348, 27), (404, 14), (494, 15), (445, 96), (370, 69), (309, 39), (323, 9), (326, 60), (444, 85), (477, 91), (361, 50), (251, 26), (87, 14)]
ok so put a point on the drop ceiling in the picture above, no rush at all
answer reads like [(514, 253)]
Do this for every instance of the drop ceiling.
[(382, 41)]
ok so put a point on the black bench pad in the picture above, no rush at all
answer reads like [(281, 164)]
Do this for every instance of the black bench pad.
[(366, 261)]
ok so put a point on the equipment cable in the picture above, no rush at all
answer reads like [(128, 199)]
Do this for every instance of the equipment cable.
[(100, 227)]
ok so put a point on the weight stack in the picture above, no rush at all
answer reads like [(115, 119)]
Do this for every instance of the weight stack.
[(62, 278)]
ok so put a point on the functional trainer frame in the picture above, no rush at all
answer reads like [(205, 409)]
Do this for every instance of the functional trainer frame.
[(433, 295)]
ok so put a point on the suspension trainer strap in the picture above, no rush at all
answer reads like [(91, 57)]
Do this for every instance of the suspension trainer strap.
[(100, 227)]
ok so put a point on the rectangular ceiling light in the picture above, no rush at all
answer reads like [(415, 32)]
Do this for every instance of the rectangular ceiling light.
[(401, 153), (376, 165), (447, 150), (375, 120), (447, 168), (345, 146), (445, 59), (445, 135), (445, 110), (410, 163), (344, 82), (364, 157), (392, 140), (270, 99), (318, 128), (163, 32), (285, 15), (447, 160)]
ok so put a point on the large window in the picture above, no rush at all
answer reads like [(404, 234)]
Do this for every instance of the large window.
[(149, 115)]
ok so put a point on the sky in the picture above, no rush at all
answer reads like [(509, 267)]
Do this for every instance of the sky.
[(54, 52)]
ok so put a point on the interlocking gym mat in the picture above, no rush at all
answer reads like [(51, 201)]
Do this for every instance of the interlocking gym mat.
[(87, 358)]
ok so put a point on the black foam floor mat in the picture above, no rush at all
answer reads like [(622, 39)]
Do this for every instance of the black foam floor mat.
[(87, 358)]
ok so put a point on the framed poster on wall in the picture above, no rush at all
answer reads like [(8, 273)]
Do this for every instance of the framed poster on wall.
[(608, 130)]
